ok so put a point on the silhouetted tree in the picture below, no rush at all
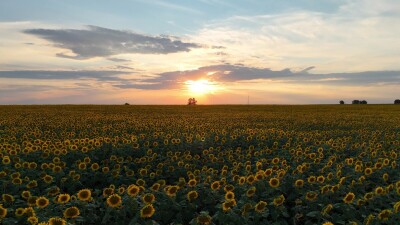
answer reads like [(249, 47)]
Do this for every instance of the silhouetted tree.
[(192, 101), (363, 102), (126, 103), (355, 102), (341, 102), (397, 101)]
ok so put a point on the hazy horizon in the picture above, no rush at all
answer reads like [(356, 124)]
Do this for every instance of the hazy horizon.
[(220, 52)]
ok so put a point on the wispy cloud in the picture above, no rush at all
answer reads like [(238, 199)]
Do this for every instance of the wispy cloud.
[(65, 75), (102, 42), (228, 73), (169, 5)]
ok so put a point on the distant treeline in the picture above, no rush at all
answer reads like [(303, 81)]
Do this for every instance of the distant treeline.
[(364, 102)]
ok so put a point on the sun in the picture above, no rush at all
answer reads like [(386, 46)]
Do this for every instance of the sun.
[(200, 86)]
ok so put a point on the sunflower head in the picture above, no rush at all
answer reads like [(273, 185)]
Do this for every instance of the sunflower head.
[(215, 185), (192, 195), (385, 214), (57, 221), (84, 195), (204, 219), (279, 200), (114, 200), (274, 182), (71, 212), (3, 212), (147, 211), (133, 190), (63, 198), (229, 195), (42, 202), (148, 198), (260, 206), (349, 198)]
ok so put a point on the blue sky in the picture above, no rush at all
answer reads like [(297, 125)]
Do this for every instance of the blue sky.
[(152, 52)]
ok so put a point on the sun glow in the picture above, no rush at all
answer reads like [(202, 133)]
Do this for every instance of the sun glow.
[(200, 86)]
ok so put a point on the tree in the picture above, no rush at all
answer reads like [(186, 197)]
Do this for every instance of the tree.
[(341, 102), (355, 102), (192, 101), (397, 101), (126, 103), (363, 102)]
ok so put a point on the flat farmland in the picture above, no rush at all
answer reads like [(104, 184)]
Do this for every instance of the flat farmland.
[(245, 164)]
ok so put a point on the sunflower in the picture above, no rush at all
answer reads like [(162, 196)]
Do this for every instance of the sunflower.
[(320, 179), (33, 220), (114, 200), (155, 187), (327, 209), (148, 198), (279, 200), (94, 166), (250, 192), (140, 182), (368, 196), (171, 190), (215, 185), (57, 221), (328, 223), (84, 195), (3, 212), (226, 206), (385, 214), (121, 190), (203, 219), (311, 196), (250, 179), (229, 195), (71, 212), (229, 187), (349, 198), (396, 207), (192, 183), (29, 212), (47, 179), (147, 211), (63, 198), (311, 179), (385, 177), (260, 206), (19, 212), (108, 191), (242, 180), (192, 195), (133, 190), (325, 189), (42, 202), (368, 171), (7, 198), (299, 183), (268, 172), (379, 191), (274, 182), (246, 207)]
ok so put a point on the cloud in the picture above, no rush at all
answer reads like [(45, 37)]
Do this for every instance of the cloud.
[(102, 42), (356, 36), (118, 60), (64, 75), (229, 73)]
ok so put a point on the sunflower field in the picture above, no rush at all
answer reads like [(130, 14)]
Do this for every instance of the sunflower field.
[(200, 165)]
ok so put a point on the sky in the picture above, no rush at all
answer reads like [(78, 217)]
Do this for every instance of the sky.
[(217, 51)]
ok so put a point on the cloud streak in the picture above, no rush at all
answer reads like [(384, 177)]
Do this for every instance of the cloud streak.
[(228, 73), (102, 42), (111, 75)]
